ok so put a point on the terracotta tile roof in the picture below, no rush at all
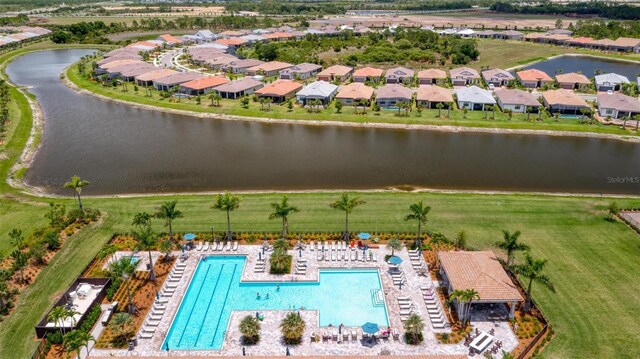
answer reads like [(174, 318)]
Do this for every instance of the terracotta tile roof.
[(580, 40), (154, 75), (170, 39), (336, 70), (480, 271), (394, 91), (433, 93), (205, 82), (355, 91), (516, 97), (619, 102), (533, 75), (116, 63), (232, 41), (368, 72), (572, 77), (279, 88), (270, 66), (626, 42), (563, 97), (278, 35), (432, 74)]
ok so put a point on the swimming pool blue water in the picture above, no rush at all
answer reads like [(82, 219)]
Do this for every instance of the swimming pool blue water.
[(341, 296)]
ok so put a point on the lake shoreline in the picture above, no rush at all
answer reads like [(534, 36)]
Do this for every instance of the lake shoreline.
[(440, 128)]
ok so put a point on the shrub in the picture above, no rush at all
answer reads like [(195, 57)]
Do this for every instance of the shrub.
[(280, 262), (37, 252), (281, 244), (292, 328), (91, 318), (54, 337), (52, 239), (250, 330)]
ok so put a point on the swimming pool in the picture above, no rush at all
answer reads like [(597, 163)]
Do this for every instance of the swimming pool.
[(340, 296)]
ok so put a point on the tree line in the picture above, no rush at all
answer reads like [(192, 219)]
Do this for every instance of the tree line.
[(593, 8), (599, 29), (5, 98)]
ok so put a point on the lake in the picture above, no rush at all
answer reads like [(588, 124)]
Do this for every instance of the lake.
[(121, 149), (587, 65)]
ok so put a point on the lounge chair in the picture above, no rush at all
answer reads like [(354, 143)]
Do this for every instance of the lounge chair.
[(345, 337), (228, 246), (327, 255), (311, 246), (199, 246), (374, 257), (319, 255), (353, 256), (333, 256), (354, 336), (334, 335), (155, 317), (206, 246), (395, 334), (145, 335), (235, 246)]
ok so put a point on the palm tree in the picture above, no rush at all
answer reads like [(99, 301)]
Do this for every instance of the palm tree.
[(141, 220), (75, 340), (56, 316), (395, 245), (283, 210), (419, 213), (292, 328), (347, 205), (250, 330), (76, 184), (147, 241), (439, 106), (465, 298), (510, 245), (227, 202), (413, 327), (528, 110), (169, 213), (532, 269), (122, 326), (637, 118)]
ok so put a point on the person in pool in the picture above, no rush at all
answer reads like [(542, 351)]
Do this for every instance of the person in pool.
[(258, 295), (277, 287), (267, 296)]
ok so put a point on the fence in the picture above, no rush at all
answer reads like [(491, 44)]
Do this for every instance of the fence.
[(41, 350)]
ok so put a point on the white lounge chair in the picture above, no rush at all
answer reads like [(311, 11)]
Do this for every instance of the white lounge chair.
[(199, 246), (206, 246), (228, 246), (312, 246), (235, 246)]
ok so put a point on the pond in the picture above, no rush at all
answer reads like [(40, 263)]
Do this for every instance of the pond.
[(587, 65), (121, 149)]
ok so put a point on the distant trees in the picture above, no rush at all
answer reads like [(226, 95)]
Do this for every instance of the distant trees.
[(601, 9), (5, 98)]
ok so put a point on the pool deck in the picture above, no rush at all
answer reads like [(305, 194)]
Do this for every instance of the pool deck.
[(271, 344)]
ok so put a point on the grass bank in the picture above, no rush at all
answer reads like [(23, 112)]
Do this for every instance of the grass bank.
[(472, 119)]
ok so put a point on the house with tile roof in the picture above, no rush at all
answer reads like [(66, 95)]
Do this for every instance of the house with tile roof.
[(463, 76), (238, 88), (533, 78), (617, 105), (564, 102), (202, 85), (368, 73), (389, 95), (573, 81), (301, 71), (354, 93), (480, 271), (399, 75), (516, 100), (497, 77), (279, 91), (271, 68), (429, 96), (335, 73), (432, 77)]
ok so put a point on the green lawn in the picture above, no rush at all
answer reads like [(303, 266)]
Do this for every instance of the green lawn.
[(593, 263), (507, 54), (428, 117)]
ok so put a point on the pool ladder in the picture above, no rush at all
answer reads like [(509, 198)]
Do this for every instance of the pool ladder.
[(377, 297)]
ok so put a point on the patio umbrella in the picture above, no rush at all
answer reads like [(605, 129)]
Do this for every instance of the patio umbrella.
[(370, 328), (189, 237), (394, 260), (364, 235)]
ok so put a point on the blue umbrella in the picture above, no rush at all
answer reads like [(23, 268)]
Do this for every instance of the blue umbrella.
[(370, 328), (189, 237), (394, 260), (364, 236)]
